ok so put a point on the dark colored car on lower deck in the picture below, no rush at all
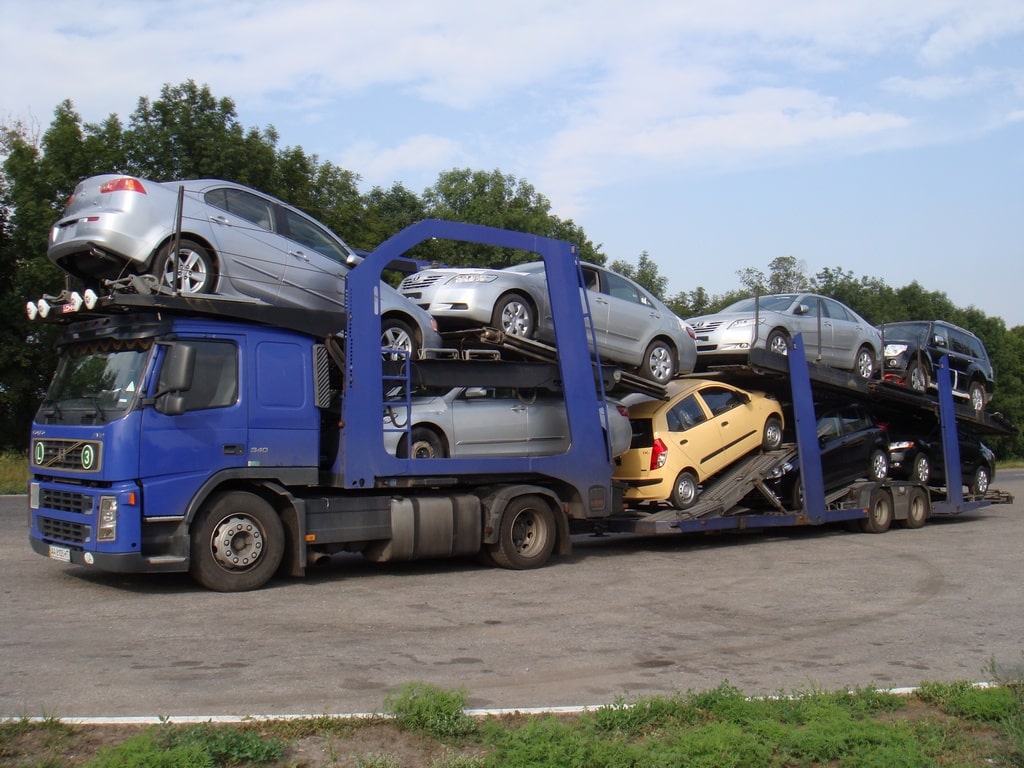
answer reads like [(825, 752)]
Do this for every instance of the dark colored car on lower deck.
[(918, 455)]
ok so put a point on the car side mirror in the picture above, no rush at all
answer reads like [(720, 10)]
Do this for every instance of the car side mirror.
[(475, 392), (802, 309), (939, 341)]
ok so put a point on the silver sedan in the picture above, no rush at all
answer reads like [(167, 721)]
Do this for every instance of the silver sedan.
[(235, 241), (488, 421), (631, 326), (833, 333)]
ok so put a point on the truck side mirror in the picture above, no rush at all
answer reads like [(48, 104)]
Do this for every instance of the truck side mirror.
[(175, 378)]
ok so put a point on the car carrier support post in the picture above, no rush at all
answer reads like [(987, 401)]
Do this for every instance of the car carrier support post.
[(950, 437), (363, 463), (806, 432)]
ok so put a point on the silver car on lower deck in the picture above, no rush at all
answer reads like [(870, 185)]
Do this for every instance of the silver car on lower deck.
[(833, 334), (491, 421), (631, 325)]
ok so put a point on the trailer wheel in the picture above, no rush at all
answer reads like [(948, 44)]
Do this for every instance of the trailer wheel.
[(917, 376), (513, 314), (918, 508), (196, 273), (684, 491), (879, 512), (238, 543), (771, 439), (527, 535)]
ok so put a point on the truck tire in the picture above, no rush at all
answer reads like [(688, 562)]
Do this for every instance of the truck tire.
[(879, 512), (659, 362), (513, 314), (197, 272), (918, 508), (527, 534), (237, 543)]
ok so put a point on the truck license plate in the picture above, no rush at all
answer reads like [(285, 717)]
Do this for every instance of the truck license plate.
[(60, 553)]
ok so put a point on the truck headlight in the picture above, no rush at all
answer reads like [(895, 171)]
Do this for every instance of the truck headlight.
[(106, 529)]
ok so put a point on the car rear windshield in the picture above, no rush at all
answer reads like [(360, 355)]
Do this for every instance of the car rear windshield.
[(643, 433)]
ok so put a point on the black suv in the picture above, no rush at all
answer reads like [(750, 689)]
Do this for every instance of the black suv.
[(912, 351)]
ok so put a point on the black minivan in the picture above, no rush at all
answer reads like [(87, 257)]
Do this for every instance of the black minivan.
[(912, 350)]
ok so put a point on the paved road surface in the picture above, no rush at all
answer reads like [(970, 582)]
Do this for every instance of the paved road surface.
[(767, 612)]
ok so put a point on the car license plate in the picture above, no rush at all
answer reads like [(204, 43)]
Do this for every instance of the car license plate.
[(60, 553)]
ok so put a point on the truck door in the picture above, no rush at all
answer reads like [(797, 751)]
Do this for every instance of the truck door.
[(179, 452)]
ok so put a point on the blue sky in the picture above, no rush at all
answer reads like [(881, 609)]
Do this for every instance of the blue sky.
[(882, 138)]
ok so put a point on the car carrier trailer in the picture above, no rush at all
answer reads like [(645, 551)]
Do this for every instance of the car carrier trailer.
[(235, 441)]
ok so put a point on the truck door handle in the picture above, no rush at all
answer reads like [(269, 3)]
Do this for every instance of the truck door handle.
[(233, 449)]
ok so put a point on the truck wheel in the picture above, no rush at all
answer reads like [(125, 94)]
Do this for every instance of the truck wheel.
[(778, 342), (527, 535), (659, 362), (918, 508), (513, 314), (879, 512), (917, 377), (684, 491), (397, 335), (196, 270), (238, 543), (771, 439), (425, 445), (864, 363)]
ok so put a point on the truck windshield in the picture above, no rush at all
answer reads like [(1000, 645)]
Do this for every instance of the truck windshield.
[(95, 381)]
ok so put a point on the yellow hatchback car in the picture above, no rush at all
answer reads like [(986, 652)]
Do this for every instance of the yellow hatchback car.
[(702, 428)]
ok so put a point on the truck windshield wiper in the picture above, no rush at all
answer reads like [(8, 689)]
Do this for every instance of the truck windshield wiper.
[(54, 408)]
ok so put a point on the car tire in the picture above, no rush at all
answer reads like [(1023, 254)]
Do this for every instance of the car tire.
[(398, 335), (864, 362), (514, 315), (684, 490), (197, 272), (426, 444), (878, 468), (659, 362), (778, 342), (771, 438), (976, 395), (917, 377), (922, 469), (980, 481)]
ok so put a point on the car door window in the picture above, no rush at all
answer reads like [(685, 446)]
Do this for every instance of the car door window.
[(719, 399), (621, 289), (243, 204), (685, 415), (305, 232)]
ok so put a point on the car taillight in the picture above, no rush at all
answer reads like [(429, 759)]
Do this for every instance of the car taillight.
[(623, 410), (122, 184), (882, 425), (659, 454)]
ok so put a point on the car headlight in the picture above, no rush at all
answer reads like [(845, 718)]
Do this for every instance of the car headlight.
[(901, 445), (895, 350), (474, 279), (741, 323)]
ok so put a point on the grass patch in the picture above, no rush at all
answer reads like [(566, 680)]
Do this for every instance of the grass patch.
[(945, 724), (13, 472)]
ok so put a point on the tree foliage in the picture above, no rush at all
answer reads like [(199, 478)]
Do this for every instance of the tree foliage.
[(187, 132)]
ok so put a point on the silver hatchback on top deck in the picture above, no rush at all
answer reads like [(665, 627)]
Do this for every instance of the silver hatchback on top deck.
[(631, 326), (235, 241), (833, 334)]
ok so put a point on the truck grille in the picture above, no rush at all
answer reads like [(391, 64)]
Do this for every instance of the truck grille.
[(64, 531), (65, 501), (73, 455)]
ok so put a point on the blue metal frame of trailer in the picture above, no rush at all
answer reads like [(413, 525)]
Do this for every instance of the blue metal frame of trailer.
[(817, 510), (366, 465)]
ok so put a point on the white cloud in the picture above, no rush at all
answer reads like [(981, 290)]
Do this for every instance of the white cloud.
[(415, 157)]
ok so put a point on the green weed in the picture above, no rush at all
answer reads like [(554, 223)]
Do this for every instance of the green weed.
[(430, 709)]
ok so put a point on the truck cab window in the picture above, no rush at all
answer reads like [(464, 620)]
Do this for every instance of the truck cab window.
[(217, 385)]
